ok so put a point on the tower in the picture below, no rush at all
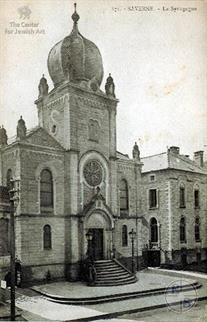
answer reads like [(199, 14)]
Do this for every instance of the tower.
[(82, 118)]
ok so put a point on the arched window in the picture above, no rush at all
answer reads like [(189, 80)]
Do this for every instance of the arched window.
[(123, 193), (196, 198), (94, 130), (47, 237), (182, 196), (46, 189), (8, 179), (124, 236), (153, 230), (182, 230), (197, 229)]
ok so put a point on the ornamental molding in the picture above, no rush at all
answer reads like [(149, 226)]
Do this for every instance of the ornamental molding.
[(124, 167), (31, 153), (89, 102), (58, 102)]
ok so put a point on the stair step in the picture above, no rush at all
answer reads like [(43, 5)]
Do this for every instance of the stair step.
[(115, 283), (109, 277), (109, 273), (101, 261), (106, 265), (109, 269)]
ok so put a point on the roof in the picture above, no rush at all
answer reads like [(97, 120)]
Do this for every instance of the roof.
[(170, 160), (38, 136), (155, 162), (122, 156)]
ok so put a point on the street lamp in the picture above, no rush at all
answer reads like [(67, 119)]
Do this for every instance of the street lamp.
[(13, 196), (89, 237), (132, 235)]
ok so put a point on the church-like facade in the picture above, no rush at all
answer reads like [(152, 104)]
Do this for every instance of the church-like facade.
[(72, 180)]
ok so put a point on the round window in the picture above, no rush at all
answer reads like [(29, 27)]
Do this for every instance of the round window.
[(93, 173)]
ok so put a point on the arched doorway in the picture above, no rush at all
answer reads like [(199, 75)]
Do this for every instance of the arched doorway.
[(98, 226)]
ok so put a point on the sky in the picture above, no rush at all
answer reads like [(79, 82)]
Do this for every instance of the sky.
[(157, 55)]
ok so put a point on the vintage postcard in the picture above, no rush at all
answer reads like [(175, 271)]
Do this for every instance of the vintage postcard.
[(103, 167)]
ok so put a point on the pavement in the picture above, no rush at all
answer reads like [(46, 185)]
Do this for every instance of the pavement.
[(146, 281), (5, 313), (38, 307)]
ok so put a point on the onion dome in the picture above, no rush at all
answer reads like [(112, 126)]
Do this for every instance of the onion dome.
[(75, 58)]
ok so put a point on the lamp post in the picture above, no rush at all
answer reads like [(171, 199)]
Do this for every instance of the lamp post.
[(132, 235), (13, 204), (89, 237)]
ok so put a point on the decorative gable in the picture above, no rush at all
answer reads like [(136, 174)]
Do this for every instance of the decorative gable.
[(40, 137)]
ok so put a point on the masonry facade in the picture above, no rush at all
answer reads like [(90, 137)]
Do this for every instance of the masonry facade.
[(72, 180)]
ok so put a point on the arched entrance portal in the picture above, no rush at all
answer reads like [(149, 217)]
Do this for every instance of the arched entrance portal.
[(96, 243), (99, 226)]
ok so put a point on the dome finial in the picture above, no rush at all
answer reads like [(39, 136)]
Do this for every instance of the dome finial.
[(75, 16)]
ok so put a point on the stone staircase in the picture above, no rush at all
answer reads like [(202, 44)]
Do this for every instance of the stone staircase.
[(112, 273)]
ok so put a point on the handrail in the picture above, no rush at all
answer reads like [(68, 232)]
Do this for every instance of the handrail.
[(124, 267)]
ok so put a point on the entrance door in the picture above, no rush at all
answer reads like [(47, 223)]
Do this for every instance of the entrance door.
[(153, 258), (97, 243), (184, 259)]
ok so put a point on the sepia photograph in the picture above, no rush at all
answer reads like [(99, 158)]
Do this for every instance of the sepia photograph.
[(103, 160)]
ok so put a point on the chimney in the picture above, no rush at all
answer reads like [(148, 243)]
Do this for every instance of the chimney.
[(198, 158), (174, 149)]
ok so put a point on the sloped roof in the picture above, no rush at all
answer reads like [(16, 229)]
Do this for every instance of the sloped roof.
[(170, 160), (38, 136), (155, 162), (122, 156)]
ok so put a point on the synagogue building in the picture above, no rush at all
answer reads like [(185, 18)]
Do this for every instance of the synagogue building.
[(72, 182)]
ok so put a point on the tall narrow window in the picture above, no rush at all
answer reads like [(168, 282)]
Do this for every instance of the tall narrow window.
[(153, 230), (8, 179), (182, 197), (153, 198), (124, 236), (4, 237), (47, 237), (46, 189), (197, 229), (123, 191), (196, 198), (182, 230)]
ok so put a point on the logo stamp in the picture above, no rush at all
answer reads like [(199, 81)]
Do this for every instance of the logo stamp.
[(24, 12), (180, 296)]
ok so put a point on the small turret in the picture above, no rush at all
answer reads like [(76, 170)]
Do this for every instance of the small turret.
[(136, 152), (21, 129), (110, 87), (43, 87), (3, 136)]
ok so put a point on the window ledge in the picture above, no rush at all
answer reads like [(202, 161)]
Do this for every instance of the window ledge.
[(198, 241), (182, 207), (47, 209), (183, 242), (153, 208)]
